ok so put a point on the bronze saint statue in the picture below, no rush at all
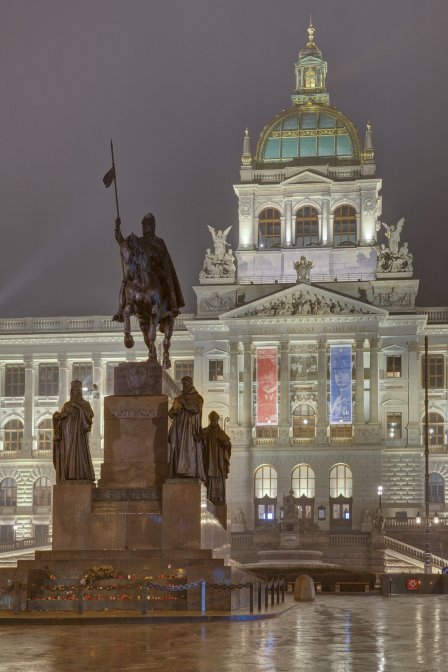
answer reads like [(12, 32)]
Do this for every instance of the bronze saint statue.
[(71, 427), (217, 449), (150, 288), (185, 437)]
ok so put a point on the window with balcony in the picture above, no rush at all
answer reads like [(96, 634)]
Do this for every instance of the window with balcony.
[(14, 380), (45, 434), (436, 372), (269, 227), (265, 485), (393, 367), (307, 227), (344, 226), (303, 422), (341, 497), (48, 380), (42, 492), (8, 492), (13, 435)]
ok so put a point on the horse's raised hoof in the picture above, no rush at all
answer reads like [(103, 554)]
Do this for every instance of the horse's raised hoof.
[(166, 363), (128, 341)]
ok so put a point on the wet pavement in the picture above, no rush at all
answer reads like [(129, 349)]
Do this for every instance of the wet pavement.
[(333, 634)]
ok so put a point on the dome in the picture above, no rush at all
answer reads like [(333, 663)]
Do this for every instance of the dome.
[(309, 134)]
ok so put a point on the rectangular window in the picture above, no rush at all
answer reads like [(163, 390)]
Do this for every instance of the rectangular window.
[(216, 369), (48, 380), (272, 150), (84, 372), (6, 533), (393, 367), (183, 367), (326, 145), (393, 422), (266, 511), (308, 145), (290, 148), (14, 380), (436, 373)]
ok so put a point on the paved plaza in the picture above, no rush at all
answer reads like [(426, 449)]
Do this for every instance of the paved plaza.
[(333, 634)]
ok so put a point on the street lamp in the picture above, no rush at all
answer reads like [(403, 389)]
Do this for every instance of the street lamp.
[(380, 492), (418, 518), (428, 556)]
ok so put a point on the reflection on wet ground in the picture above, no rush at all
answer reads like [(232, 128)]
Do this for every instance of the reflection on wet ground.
[(333, 634)]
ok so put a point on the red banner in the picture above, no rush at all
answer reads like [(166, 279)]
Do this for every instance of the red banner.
[(267, 406)]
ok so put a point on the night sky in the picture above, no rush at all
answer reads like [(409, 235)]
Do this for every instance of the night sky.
[(175, 82)]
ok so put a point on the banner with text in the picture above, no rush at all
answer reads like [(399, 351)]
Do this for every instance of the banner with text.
[(267, 401), (341, 384)]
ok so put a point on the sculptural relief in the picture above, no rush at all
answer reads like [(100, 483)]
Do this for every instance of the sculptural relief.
[(303, 302), (216, 303)]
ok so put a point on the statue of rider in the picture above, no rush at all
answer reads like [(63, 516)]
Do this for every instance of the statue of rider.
[(144, 251)]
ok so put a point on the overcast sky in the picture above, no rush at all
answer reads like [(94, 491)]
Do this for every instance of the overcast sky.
[(175, 82)]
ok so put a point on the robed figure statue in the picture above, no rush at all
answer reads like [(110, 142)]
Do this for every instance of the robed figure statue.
[(71, 427), (185, 435), (217, 449), (150, 288)]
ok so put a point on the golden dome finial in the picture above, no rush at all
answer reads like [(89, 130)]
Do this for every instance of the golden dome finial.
[(310, 30)]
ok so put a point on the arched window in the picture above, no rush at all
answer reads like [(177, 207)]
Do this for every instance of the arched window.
[(344, 226), (436, 488), (303, 422), (45, 434), (42, 492), (303, 481), (307, 227), (265, 481), (341, 481), (269, 229), (8, 492), (436, 424), (13, 435)]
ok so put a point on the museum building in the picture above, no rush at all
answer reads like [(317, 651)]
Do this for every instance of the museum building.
[(306, 340)]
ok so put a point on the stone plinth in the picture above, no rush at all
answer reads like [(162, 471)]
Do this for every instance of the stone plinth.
[(137, 378), (189, 520), (135, 441), (72, 503)]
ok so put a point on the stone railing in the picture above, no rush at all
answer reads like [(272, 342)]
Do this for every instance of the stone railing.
[(302, 441), (96, 323), (242, 539), (269, 176), (347, 538), (10, 454), (434, 314), (413, 552), (340, 440), (21, 544), (390, 522), (264, 441), (291, 279)]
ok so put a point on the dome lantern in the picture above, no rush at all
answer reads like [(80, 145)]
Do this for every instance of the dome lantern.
[(311, 73)]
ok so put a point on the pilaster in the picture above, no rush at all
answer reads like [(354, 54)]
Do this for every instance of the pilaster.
[(322, 420), (28, 410), (287, 238), (374, 428), (64, 380), (284, 421), (234, 383), (414, 382), (246, 416)]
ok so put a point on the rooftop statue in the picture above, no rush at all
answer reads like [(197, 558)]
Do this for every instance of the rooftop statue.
[(71, 427), (393, 258), (303, 269), (221, 262), (150, 289)]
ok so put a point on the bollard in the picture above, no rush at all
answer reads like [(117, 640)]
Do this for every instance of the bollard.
[(259, 597), (283, 589), (16, 597), (272, 592), (251, 598), (266, 594), (278, 591), (144, 600), (80, 599), (202, 596)]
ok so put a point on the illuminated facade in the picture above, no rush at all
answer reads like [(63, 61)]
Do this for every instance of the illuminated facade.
[(311, 353)]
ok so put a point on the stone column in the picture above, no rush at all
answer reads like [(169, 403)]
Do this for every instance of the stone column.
[(28, 410), (64, 380), (359, 384), (198, 369), (246, 416), (284, 421), (234, 383), (322, 421), (330, 228), (373, 417), (287, 238), (325, 223), (414, 395)]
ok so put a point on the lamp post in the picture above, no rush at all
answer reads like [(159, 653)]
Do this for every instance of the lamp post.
[(380, 493), (428, 557)]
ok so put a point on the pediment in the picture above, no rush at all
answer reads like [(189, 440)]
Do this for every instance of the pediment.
[(305, 301), (215, 352), (306, 177)]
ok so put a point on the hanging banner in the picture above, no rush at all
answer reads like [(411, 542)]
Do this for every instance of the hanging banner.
[(267, 406), (341, 384)]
